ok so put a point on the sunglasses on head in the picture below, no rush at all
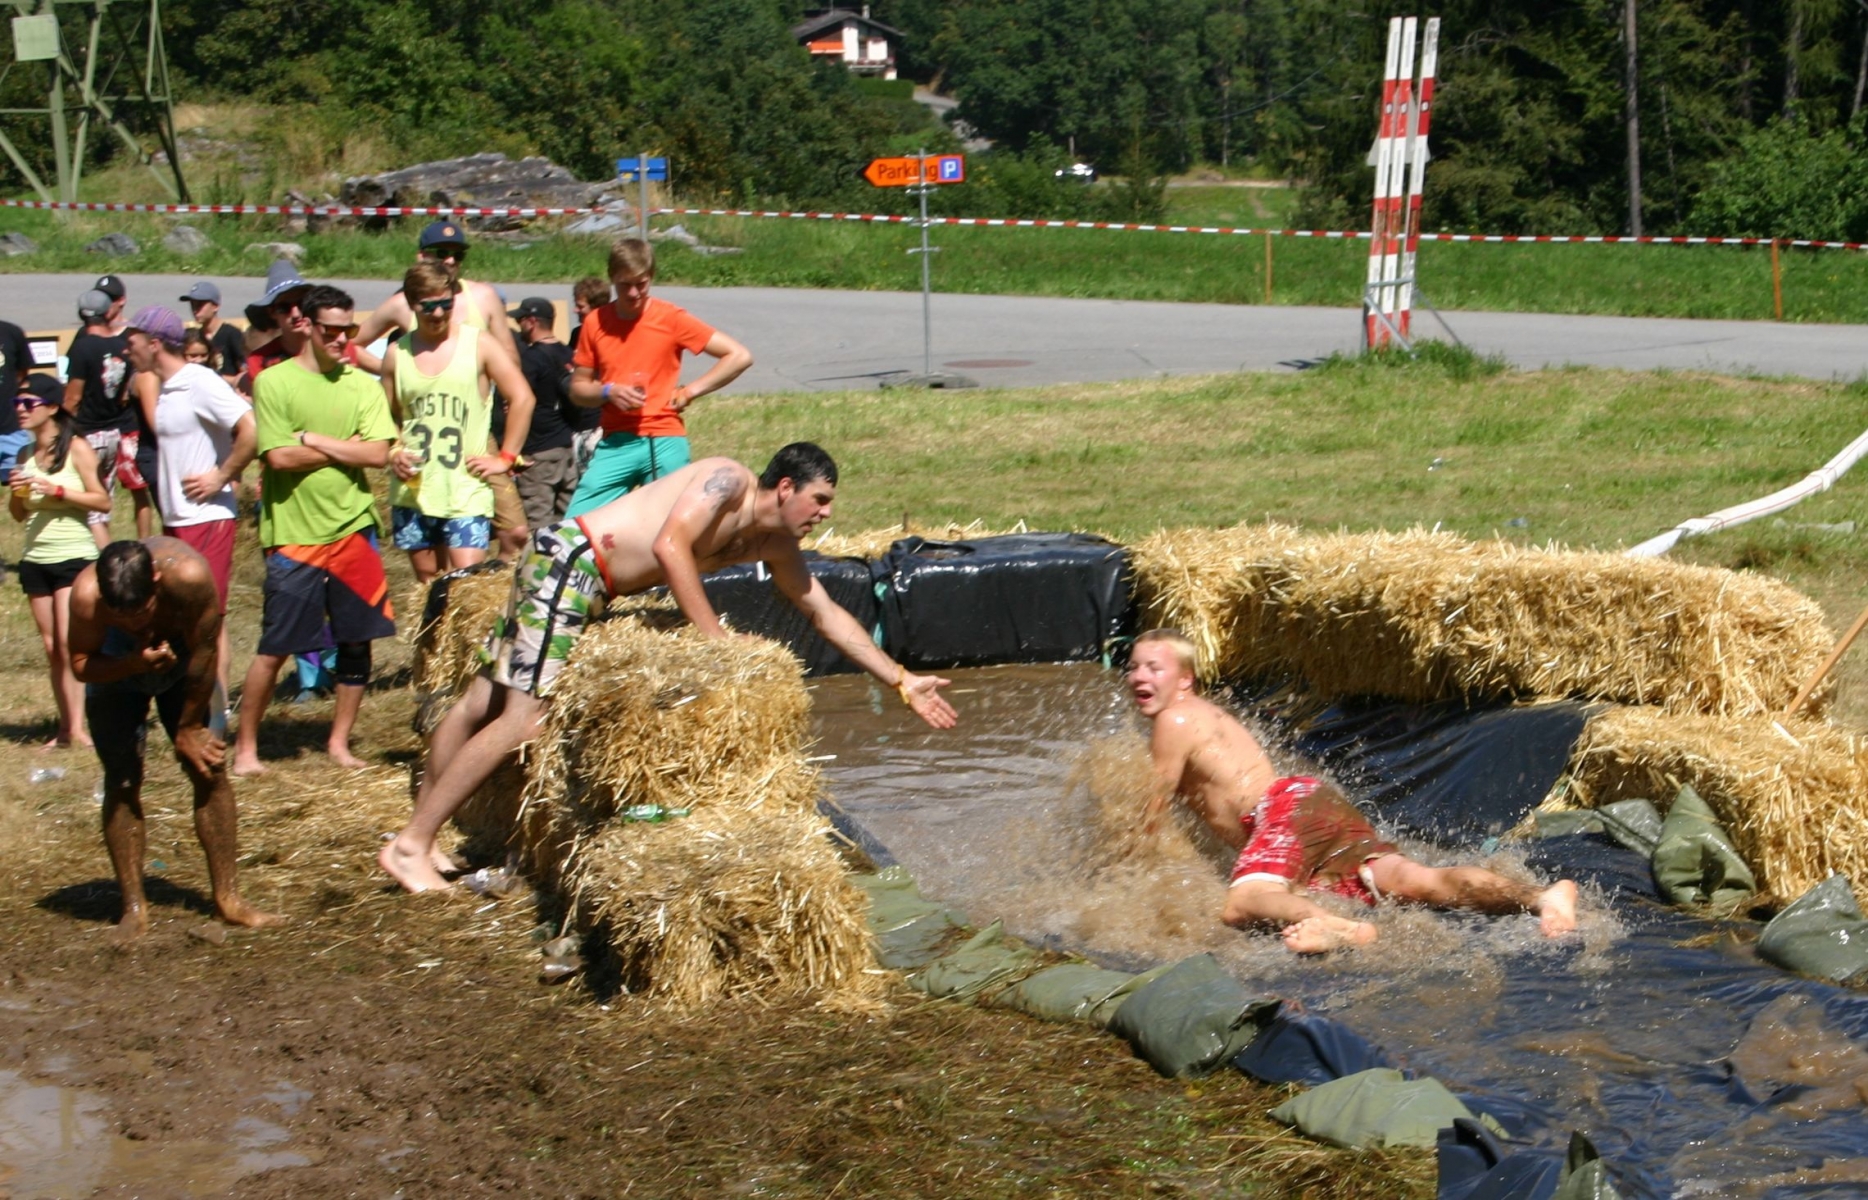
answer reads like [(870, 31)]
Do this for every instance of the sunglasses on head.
[(439, 304)]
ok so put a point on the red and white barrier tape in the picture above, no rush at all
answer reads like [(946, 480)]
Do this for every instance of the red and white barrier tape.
[(392, 210)]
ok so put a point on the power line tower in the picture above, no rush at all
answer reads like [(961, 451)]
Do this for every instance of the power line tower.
[(105, 61)]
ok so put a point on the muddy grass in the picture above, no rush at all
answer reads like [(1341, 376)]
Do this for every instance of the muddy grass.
[(382, 1045)]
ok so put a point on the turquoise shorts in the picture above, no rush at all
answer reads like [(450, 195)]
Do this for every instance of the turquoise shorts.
[(624, 462)]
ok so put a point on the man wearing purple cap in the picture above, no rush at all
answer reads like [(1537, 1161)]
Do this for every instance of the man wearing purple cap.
[(205, 436)]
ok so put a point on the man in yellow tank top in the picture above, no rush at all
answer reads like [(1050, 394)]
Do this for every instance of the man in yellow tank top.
[(444, 244), (437, 379)]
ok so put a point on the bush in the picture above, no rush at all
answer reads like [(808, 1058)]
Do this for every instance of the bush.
[(1787, 181)]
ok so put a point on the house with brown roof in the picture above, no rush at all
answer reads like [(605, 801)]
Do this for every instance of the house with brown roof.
[(853, 38)]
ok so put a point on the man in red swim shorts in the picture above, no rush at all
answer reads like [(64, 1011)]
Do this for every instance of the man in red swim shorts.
[(1296, 834)]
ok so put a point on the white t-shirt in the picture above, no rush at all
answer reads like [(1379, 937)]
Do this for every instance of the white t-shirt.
[(195, 418)]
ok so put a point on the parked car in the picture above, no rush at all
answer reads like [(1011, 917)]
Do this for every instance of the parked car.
[(1079, 172)]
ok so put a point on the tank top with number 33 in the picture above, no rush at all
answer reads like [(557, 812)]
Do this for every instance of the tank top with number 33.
[(444, 420)]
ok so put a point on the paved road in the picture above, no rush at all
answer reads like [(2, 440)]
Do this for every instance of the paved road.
[(822, 340)]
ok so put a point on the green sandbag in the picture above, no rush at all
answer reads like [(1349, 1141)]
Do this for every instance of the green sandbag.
[(1377, 1107), (1191, 1019), (1695, 863), (1584, 1175), (1636, 824), (1066, 992), (985, 959), (1822, 934), (910, 929), (1567, 821), (1107, 1008)]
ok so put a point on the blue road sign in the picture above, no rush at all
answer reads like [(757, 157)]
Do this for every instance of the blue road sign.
[(629, 168), (950, 168)]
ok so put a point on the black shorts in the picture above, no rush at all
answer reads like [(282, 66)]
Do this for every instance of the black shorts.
[(118, 713), (44, 579)]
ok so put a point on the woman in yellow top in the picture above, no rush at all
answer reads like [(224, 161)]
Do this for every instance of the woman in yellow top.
[(440, 504), (53, 485)]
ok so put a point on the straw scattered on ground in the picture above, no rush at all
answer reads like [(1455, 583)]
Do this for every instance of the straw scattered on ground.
[(1793, 794), (1426, 616)]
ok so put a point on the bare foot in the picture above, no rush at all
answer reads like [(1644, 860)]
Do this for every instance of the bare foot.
[(236, 911), (1318, 935), (135, 924), (247, 766), (342, 756), (410, 866), (1556, 908)]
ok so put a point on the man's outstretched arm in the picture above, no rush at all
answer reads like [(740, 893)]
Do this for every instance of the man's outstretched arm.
[(920, 692)]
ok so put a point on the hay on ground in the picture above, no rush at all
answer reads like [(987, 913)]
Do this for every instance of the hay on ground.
[(1426, 616), (727, 903), (1792, 794)]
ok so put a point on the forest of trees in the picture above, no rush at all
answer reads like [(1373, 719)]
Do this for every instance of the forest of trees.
[(1749, 114)]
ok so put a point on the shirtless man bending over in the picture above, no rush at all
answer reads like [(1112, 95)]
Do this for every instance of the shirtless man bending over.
[(1294, 834), (145, 626), (707, 515)]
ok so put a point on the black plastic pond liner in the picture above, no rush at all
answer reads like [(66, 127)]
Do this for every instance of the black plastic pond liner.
[(1296, 1047), (1022, 598), (1654, 1027), (745, 597), (1445, 772)]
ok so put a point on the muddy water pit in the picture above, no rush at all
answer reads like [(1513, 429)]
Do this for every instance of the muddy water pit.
[(1621, 1031)]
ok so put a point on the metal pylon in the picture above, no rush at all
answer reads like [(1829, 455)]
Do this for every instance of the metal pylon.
[(107, 63)]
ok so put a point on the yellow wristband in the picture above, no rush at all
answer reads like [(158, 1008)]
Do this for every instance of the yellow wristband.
[(901, 689)]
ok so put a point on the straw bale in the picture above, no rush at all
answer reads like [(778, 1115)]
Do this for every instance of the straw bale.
[(1793, 794), (447, 648), (728, 902), (1422, 616), (642, 716)]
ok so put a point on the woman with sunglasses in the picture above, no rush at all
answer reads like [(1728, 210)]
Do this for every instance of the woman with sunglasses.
[(54, 485)]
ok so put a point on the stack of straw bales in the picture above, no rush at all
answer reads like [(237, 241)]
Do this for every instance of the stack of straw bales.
[(1695, 659), (447, 649), (744, 894), (1430, 616)]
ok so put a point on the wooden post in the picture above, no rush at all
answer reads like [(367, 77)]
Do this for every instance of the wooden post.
[(1267, 267), (1835, 656), (1777, 283)]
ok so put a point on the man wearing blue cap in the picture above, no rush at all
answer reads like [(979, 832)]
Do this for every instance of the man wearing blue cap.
[(229, 344)]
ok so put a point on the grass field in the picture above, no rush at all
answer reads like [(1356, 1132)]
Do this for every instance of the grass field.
[(385, 1005), (1676, 281)]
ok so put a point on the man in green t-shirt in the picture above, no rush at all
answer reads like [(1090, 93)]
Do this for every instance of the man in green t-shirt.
[(321, 422)]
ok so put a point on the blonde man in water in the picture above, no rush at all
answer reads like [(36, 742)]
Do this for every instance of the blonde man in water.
[(1296, 834)]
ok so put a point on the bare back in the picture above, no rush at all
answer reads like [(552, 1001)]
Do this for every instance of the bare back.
[(625, 530), (1222, 770)]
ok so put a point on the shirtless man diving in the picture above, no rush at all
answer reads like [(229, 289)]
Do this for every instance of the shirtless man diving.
[(145, 625), (707, 515), (1294, 834)]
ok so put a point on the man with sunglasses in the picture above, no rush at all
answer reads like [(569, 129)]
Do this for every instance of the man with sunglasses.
[(321, 423), (97, 392), (476, 306), (438, 380)]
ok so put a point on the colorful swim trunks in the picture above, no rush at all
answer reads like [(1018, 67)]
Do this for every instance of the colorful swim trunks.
[(557, 591), (1307, 832)]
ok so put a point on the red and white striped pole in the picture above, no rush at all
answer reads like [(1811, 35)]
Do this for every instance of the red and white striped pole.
[(1393, 227), (1377, 335), (1417, 162)]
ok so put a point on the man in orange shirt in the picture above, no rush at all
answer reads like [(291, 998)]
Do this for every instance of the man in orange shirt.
[(628, 362)]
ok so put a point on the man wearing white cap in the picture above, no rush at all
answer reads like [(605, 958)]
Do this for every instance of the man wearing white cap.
[(205, 435)]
